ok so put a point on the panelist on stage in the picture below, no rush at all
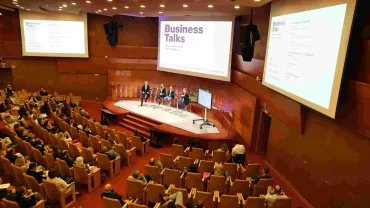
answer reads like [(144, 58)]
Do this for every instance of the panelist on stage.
[(185, 99), (170, 96), (145, 92), (162, 93)]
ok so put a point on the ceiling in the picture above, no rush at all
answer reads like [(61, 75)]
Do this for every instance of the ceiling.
[(139, 7)]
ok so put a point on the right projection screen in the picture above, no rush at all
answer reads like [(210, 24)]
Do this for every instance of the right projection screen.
[(306, 51)]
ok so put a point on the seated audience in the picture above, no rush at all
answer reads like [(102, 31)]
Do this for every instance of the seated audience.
[(157, 163), (238, 150), (39, 176), (25, 198), (84, 113), (10, 155), (193, 168), (64, 136), (60, 183), (80, 163), (136, 176), (274, 193), (112, 155), (7, 142), (23, 163), (62, 156), (198, 145), (265, 175), (219, 170), (110, 193), (225, 149), (174, 200), (9, 90), (110, 139), (42, 92), (136, 133)]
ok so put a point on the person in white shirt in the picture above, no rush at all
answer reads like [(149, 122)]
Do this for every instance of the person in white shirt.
[(60, 183), (170, 96), (274, 193), (238, 149)]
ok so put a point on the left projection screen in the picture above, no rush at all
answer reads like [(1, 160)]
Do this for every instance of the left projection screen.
[(54, 35)]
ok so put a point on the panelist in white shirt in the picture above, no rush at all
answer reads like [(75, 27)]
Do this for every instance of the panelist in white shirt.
[(145, 92), (170, 96)]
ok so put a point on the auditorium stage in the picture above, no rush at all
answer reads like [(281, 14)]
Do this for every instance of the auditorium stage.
[(170, 120)]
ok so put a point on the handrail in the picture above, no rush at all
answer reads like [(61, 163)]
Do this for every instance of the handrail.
[(224, 117)]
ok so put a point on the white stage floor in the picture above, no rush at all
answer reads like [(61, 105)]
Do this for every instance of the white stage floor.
[(168, 115)]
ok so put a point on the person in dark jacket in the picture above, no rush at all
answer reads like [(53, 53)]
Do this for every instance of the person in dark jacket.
[(110, 193), (10, 155), (39, 176), (265, 175), (185, 99), (25, 198)]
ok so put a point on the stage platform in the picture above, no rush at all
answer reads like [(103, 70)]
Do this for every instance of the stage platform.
[(168, 119)]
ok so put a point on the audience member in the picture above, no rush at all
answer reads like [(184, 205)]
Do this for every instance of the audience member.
[(84, 113), (198, 145), (25, 198), (265, 175), (136, 176), (60, 183), (10, 155), (39, 176), (238, 153), (42, 92), (9, 90), (22, 163), (110, 193), (193, 168), (219, 170), (224, 148), (274, 193), (112, 155), (6, 141), (174, 200), (157, 163)]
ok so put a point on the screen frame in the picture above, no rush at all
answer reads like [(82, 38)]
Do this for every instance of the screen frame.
[(27, 15), (211, 98), (285, 7), (198, 18)]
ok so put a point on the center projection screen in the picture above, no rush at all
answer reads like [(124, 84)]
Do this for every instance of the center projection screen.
[(196, 46), (306, 50)]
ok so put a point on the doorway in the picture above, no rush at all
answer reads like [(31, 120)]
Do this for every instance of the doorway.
[(6, 77), (264, 132)]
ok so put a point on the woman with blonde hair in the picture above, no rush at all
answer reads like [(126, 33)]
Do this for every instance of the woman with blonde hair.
[(219, 170), (22, 163)]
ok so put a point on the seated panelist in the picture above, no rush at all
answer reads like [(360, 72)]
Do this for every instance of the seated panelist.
[(161, 93), (145, 92), (185, 99), (170, 96)]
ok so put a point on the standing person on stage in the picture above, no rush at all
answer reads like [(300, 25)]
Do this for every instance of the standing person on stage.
[(170, 96), (145, 92), (162, 93), (185, 99)]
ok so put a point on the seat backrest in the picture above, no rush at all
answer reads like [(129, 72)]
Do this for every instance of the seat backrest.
[(182, 190), (100, 129), (110, 203), (63, 168), (122, 138), (134, 189), (53, 140), (73, 151), (136, 142), (50, 160), (10, 204), (154, 172), (38, 156), (80, 174), (229, 201), (29, 150), (63, 145), (154, 193), (184, 162), (51, 190), (239, 186), (87, 155), (177, 150), (103, 161), (205, 197), (133, 205), (167, 160), (18, 173), (83, 138), (217, 183), (20, 143), (282, 203), (262, 185), (232, 170), (32, 183), (92, 127), (106, 143), (197, 154), (95, 143), (206, 166), (255, 202), (74, 133), (122, 151), (171, 177), (252, 170), (112, 133), (193, 180), (219, 156)]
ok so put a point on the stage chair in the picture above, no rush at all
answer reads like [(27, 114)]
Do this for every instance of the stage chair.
[(53, 193), (135, 190), (74, 151), (166, 160), (177, 150), (228, 201), (194, 180), (112, 203), (240, 186), (34, 185), (39, 157), (154, 193), (252, 202), (206, 166), (262, 185), (50, 160), (232, 170), (113, 166), (154, 172), (18, 174), (63, 168), (197, 154), (106, 143), (82, 177), (95, 143), (218, 156), (142, 147), (122, 138), (29, 150), (129, 156), (12, 204), (84, 139), (217, 183), (252, 170), (171, 176), (88, 155), (208, 199)]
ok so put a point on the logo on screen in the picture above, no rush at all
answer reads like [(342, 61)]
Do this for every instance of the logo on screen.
[(276, 25), (180, 29)]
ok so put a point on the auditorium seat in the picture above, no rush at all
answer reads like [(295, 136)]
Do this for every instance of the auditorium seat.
[(112, 166), (141, 147), (92, 179), (50, 160), (136, 204), (122, 138), (84, 139), (217, 183), (74, 133), (18, 174), (106, 143), (281, 203), (206, 166), (197, 154), (9, 173), (95, 143), (29, 150), (63, 168), (218, 156), (171, 176), (135, 190), (261, 187), (232, 170), (12, 204), (63, 145), (253, 202), (88, 155), (154, 172), (55, 194), (194, 180), (74, 152), (39, 158), (166, 160), (239, 186), (112, 203), (208, 199), (154, 193), (185, 194), (21, 147), (228, 201), (32, 184), (184, 162), (252, 170), (177, 150), (129, 156)]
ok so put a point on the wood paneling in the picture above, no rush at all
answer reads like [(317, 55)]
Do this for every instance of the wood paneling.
[(123, 51), (254, 68)]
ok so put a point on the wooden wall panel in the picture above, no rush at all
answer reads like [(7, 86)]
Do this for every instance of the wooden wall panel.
[(254, 68), (135, 52)]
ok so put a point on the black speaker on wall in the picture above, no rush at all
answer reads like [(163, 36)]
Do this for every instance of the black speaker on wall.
[(248, 36), (111, 31)]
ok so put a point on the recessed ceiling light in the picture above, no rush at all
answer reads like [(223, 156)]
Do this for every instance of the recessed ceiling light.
[(105, 9), (236, 7), (89, 2), (114, 8), (99, 10), (15, 2), (142, 6), (126, 7), (160, 12), (60, 9), (210, 6), (22, 7), (28, 10), (17, 5), (162, 5), (73, 3), (185, 5), (141, 13), (110, 0), (257, 0), (1, 14), (64, 5)]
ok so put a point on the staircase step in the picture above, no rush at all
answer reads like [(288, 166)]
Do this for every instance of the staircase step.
[(132, 129), (143, 121), (136, 124)]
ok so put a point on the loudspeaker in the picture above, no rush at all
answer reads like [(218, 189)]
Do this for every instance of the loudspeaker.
[(247, 52), (110, 29), (248, 36)]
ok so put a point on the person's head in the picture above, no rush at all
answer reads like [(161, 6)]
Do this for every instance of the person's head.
[(79, 161), (65, 152), (196, 142), (171, 87), (277, 189), (146, 82), (108, 187), (55, 149), (103, 149), (266, 171), (152, 161), (270, 190), (224, 147), (200, 204), (136, 174), (184, 90), (176, 141), (9, 86), (83, 112), (42, 89), (136, 132), (193, 168), (20, 161), (79, 127), (20, 190), (219, 170), (162, 86), (54, 130), (235, 142), (10, 151), (52, 174), (171, 204), (32, 166)]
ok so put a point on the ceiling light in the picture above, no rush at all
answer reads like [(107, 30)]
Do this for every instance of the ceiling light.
[(142, 6), (64, 5), (114, 8), (110, 0), (0, 14), (257, 0), (60, 9), (141, 13), (15, 2), (73, 3), (28, 10), (17, 5), (210, 6), (99, 10), (236, 7), (162, 5), (126, 7), (89, 2), (160, 12), (185, 5), (22, 7), (105, 9)]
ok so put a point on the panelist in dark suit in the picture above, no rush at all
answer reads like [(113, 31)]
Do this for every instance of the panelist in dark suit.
[(170, 96), (161, 94), (185, 99), (145, 92)]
